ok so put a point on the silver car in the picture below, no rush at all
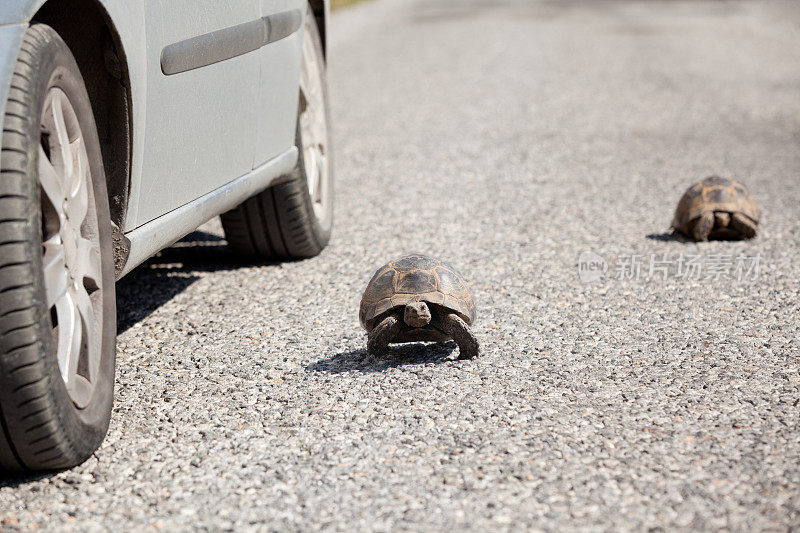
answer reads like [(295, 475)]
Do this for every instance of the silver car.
[(125, 125)]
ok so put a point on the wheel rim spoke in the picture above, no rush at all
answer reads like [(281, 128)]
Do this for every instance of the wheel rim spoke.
[(312, 170), (309, 64), (62, 133), (89, 261), (78, 201), (56, 279), (49, 180), (322, 187), (83, 303), (70, 333)]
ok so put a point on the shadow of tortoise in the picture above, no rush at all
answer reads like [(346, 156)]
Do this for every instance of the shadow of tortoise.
[(414, 353)]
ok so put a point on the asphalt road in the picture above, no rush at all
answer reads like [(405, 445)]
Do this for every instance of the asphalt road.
[(506, 137)]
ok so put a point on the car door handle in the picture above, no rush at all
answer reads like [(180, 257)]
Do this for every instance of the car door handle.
[(226, 43)]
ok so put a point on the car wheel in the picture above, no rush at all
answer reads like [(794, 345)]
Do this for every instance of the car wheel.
[(57, 307), (293, 219)]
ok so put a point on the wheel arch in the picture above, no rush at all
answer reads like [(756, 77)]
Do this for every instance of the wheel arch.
[(89, 32)]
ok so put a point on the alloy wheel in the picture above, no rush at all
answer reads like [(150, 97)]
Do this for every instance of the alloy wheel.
[(71, 250)]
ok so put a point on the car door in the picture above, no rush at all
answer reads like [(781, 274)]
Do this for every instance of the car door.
[(280, 75), (202, 90)]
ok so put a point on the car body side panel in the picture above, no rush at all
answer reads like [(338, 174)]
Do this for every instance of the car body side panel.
[(19, 11), (279, 86), (200, 123)]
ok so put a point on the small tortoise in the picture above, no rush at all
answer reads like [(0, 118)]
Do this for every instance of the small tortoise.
[(716, 208), (418, 298)]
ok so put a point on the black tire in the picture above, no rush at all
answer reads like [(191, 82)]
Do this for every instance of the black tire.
[(40, 426), (280, 223)]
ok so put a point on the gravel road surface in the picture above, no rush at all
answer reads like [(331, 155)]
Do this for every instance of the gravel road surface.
[(506, 137)]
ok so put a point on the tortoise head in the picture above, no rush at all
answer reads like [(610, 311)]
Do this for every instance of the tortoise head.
[(417, 314)]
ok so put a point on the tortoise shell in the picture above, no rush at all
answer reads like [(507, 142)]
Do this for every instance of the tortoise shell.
[(415, 278), (713, 194)]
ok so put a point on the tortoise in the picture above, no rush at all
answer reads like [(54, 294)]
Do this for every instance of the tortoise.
[(418, 298), (716, 208)]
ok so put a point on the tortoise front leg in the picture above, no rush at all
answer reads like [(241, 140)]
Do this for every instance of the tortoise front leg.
[(703, 226), (743, 225), (453, 325), (383, 333)]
